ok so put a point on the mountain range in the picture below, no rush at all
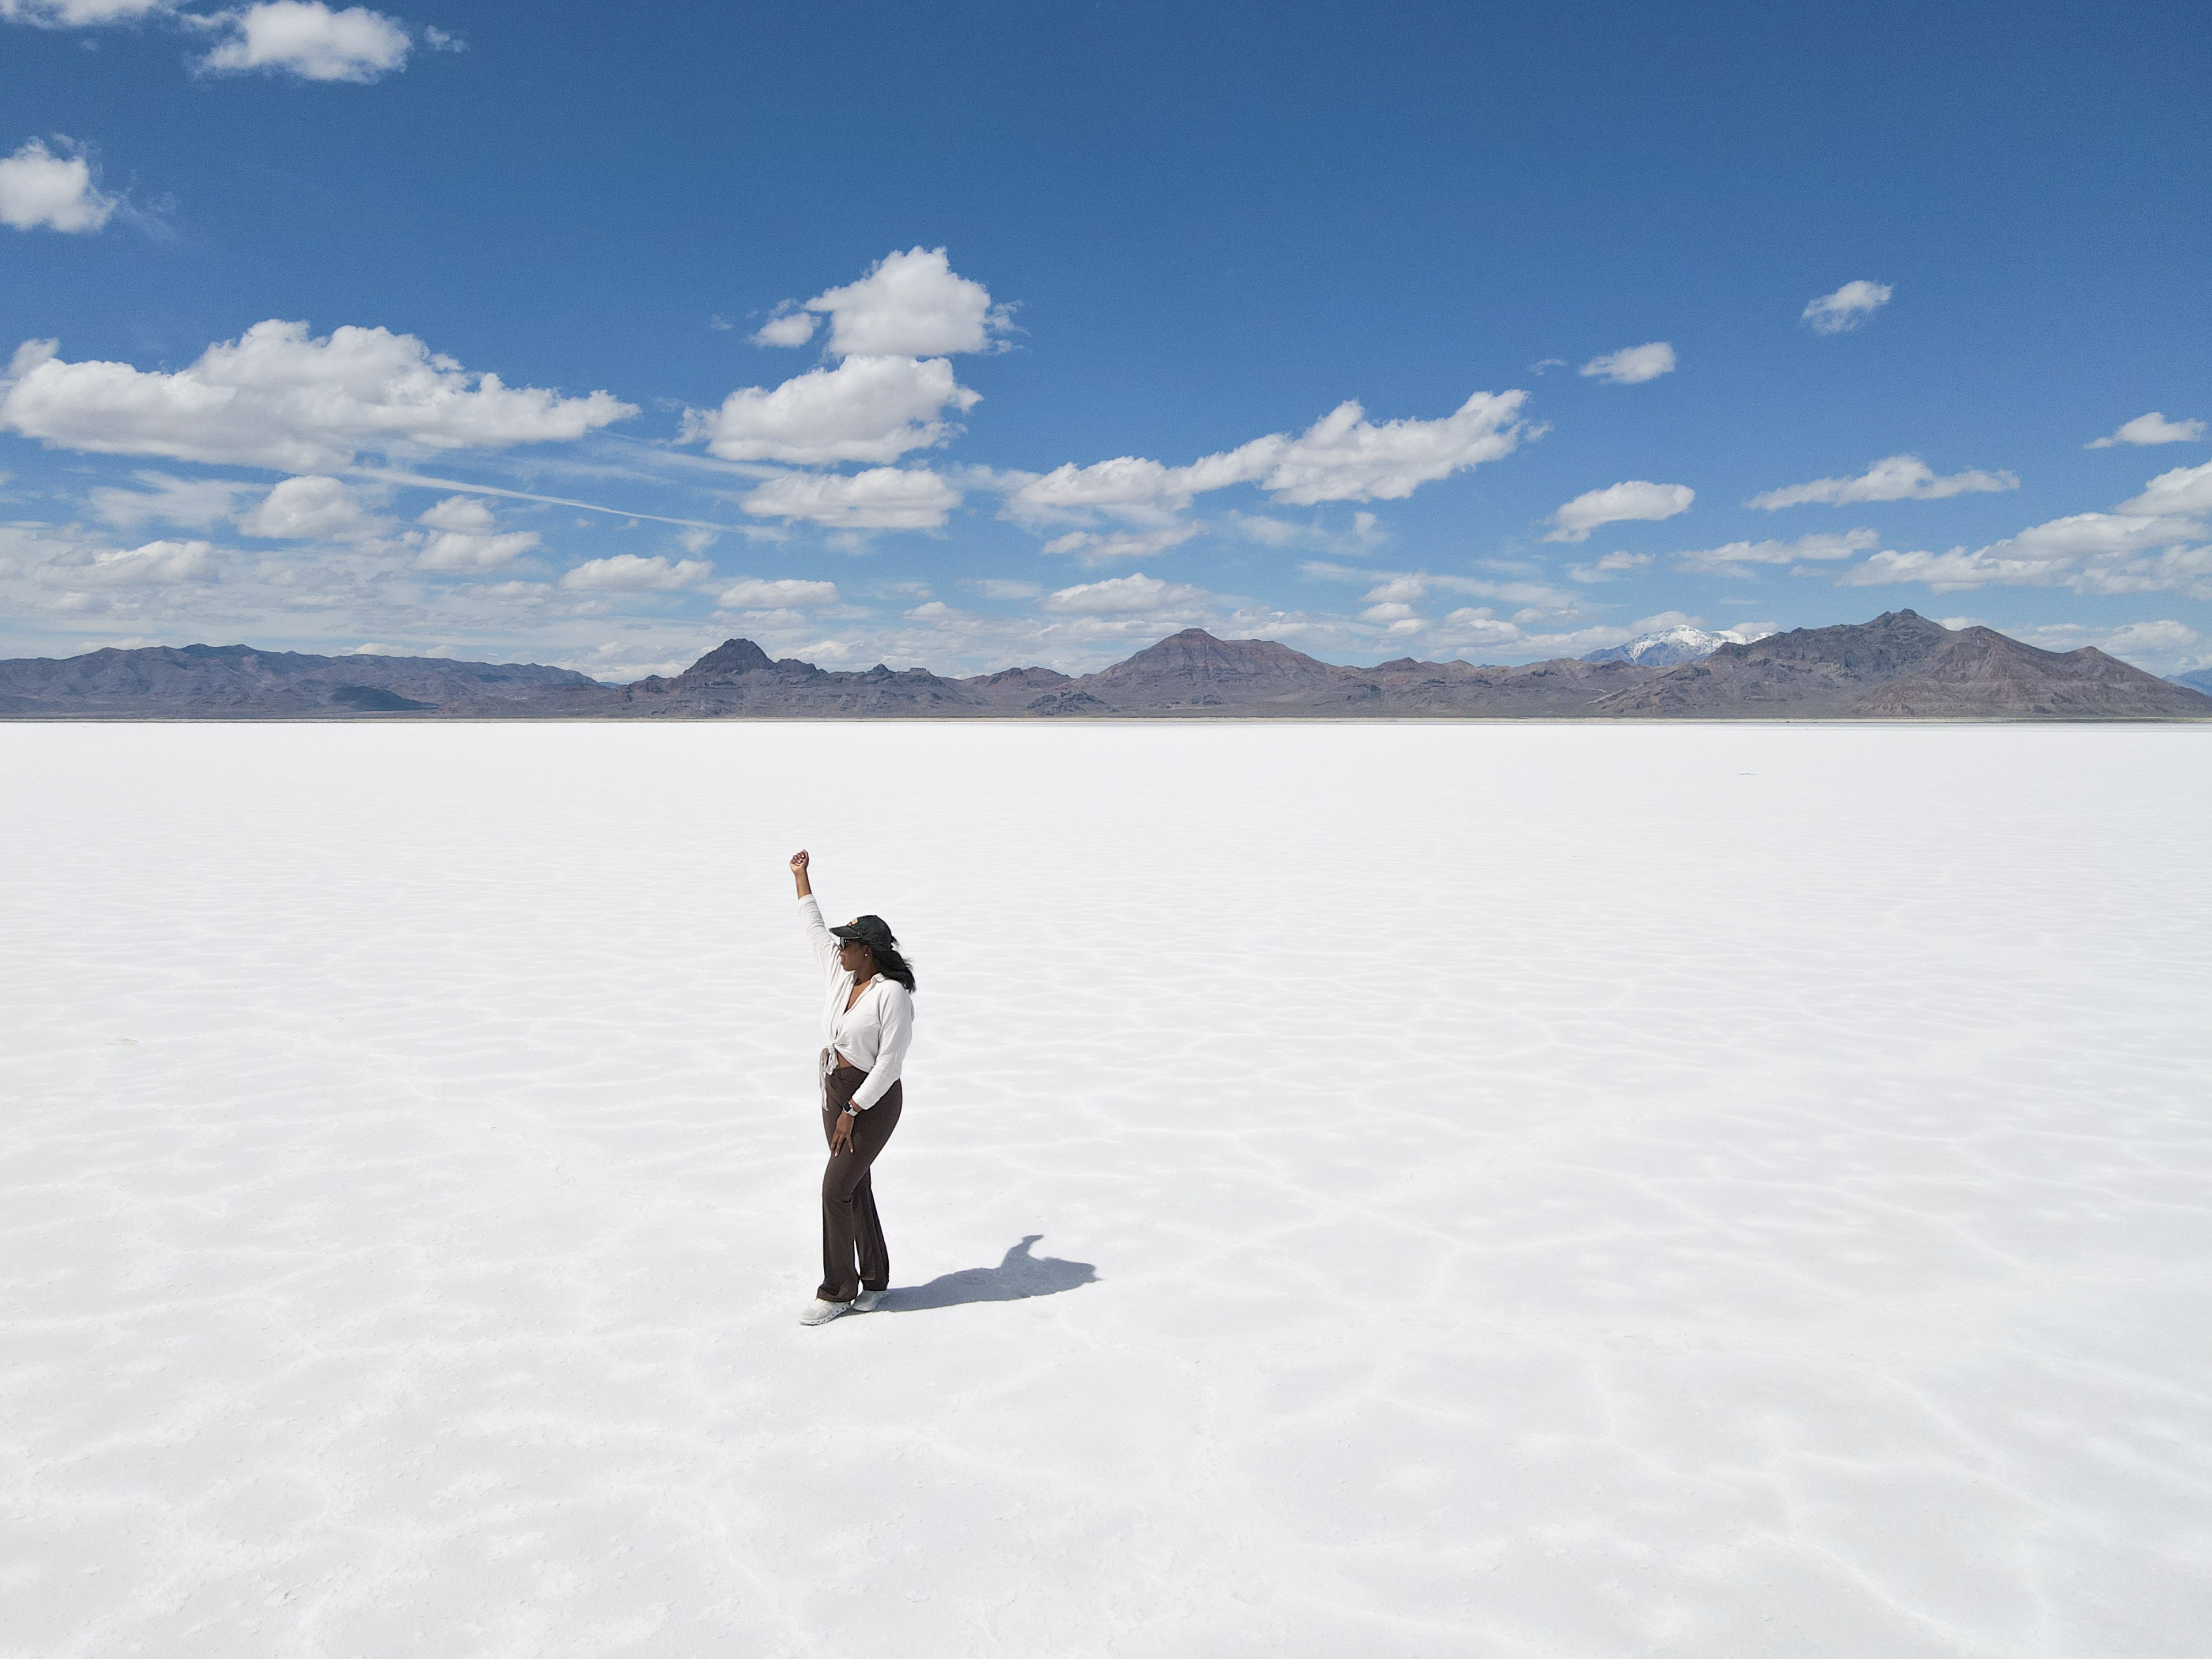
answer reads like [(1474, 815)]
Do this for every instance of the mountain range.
[(1898, 666)]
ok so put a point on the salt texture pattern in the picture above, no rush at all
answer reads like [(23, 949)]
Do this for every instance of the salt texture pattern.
[(1453, 1190)]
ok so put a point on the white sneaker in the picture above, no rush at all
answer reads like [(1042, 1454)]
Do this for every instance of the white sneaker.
[(821, 1312), (865, 1302)]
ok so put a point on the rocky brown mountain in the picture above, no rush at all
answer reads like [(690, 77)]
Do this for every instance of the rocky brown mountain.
[(1193, 673), (202, 681), (1806, 672), (1900, 666), (1194, 670), (737, 678), (1903, 666), (1559, 686), (1977, 669)]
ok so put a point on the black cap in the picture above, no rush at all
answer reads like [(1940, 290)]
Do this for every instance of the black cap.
[(870, 930)]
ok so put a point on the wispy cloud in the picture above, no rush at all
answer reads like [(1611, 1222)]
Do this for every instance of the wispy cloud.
[(1894, 478), (1632, 365), (881, 498), (1635, 498), (1342, 457), (1847, 308), (1611, 567), (1736, 558)]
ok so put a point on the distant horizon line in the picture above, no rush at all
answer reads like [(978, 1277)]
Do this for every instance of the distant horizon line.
[(740, 639)]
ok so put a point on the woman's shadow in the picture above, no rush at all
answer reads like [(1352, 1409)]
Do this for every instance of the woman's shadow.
[(1018, 1276)]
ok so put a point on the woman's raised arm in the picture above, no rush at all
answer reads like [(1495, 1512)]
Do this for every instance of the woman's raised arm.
[(810, 918)]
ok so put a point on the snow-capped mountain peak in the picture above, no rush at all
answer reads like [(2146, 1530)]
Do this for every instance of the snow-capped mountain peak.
[(1669, 645)]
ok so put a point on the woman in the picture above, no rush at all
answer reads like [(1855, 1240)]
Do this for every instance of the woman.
[(867, 1023)]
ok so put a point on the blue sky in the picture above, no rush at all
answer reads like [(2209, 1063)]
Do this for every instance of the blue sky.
[(452, 330)]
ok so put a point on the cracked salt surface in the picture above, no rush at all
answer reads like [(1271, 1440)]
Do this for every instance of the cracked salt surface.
[(1499, 1190)]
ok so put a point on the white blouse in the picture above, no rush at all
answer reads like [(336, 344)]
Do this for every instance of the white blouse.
[(874, 1032)]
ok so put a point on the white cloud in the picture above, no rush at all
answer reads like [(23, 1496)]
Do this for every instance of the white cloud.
[(460, 513), (908, 304), (1479, 629), (196, 503), (1345, 457), (2174, 646), (155, 563), (626, 572), (1123, 594), (1473, 627), (1401, 587), (2101, 534), (882, 498), (1611, 565), (993, 587), (1636, 499), (508, 592), (787, 328), (61, 564), (2186, 490), (1392, 603), (1093, 548), (80, 13), (2103, 553), (314, 509), (1847, 307), (465, 536), (1128, 487), (1364, 536), (866, 409), (1736, 556), (40, 189), (1341, 457), (786, 593), (278, 398), (1893, 478), (1633, 365), (2151, 429), (305, 38)]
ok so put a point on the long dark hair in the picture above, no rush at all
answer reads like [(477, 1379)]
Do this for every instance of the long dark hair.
[(892, 965)]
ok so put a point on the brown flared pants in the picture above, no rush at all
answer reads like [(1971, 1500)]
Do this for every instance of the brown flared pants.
[(854, 1257)]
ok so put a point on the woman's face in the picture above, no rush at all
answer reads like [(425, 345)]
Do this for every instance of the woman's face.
[(855, 958)]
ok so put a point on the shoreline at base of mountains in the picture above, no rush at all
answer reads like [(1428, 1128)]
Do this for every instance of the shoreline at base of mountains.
[(1900, 666)]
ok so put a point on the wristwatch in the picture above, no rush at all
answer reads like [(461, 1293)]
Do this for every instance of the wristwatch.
[(852, 1111)]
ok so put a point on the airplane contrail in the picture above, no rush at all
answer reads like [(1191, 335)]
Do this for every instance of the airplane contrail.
[(423, 481)]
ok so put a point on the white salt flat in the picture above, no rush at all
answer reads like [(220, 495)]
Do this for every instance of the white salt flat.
[(1501, 1192)]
